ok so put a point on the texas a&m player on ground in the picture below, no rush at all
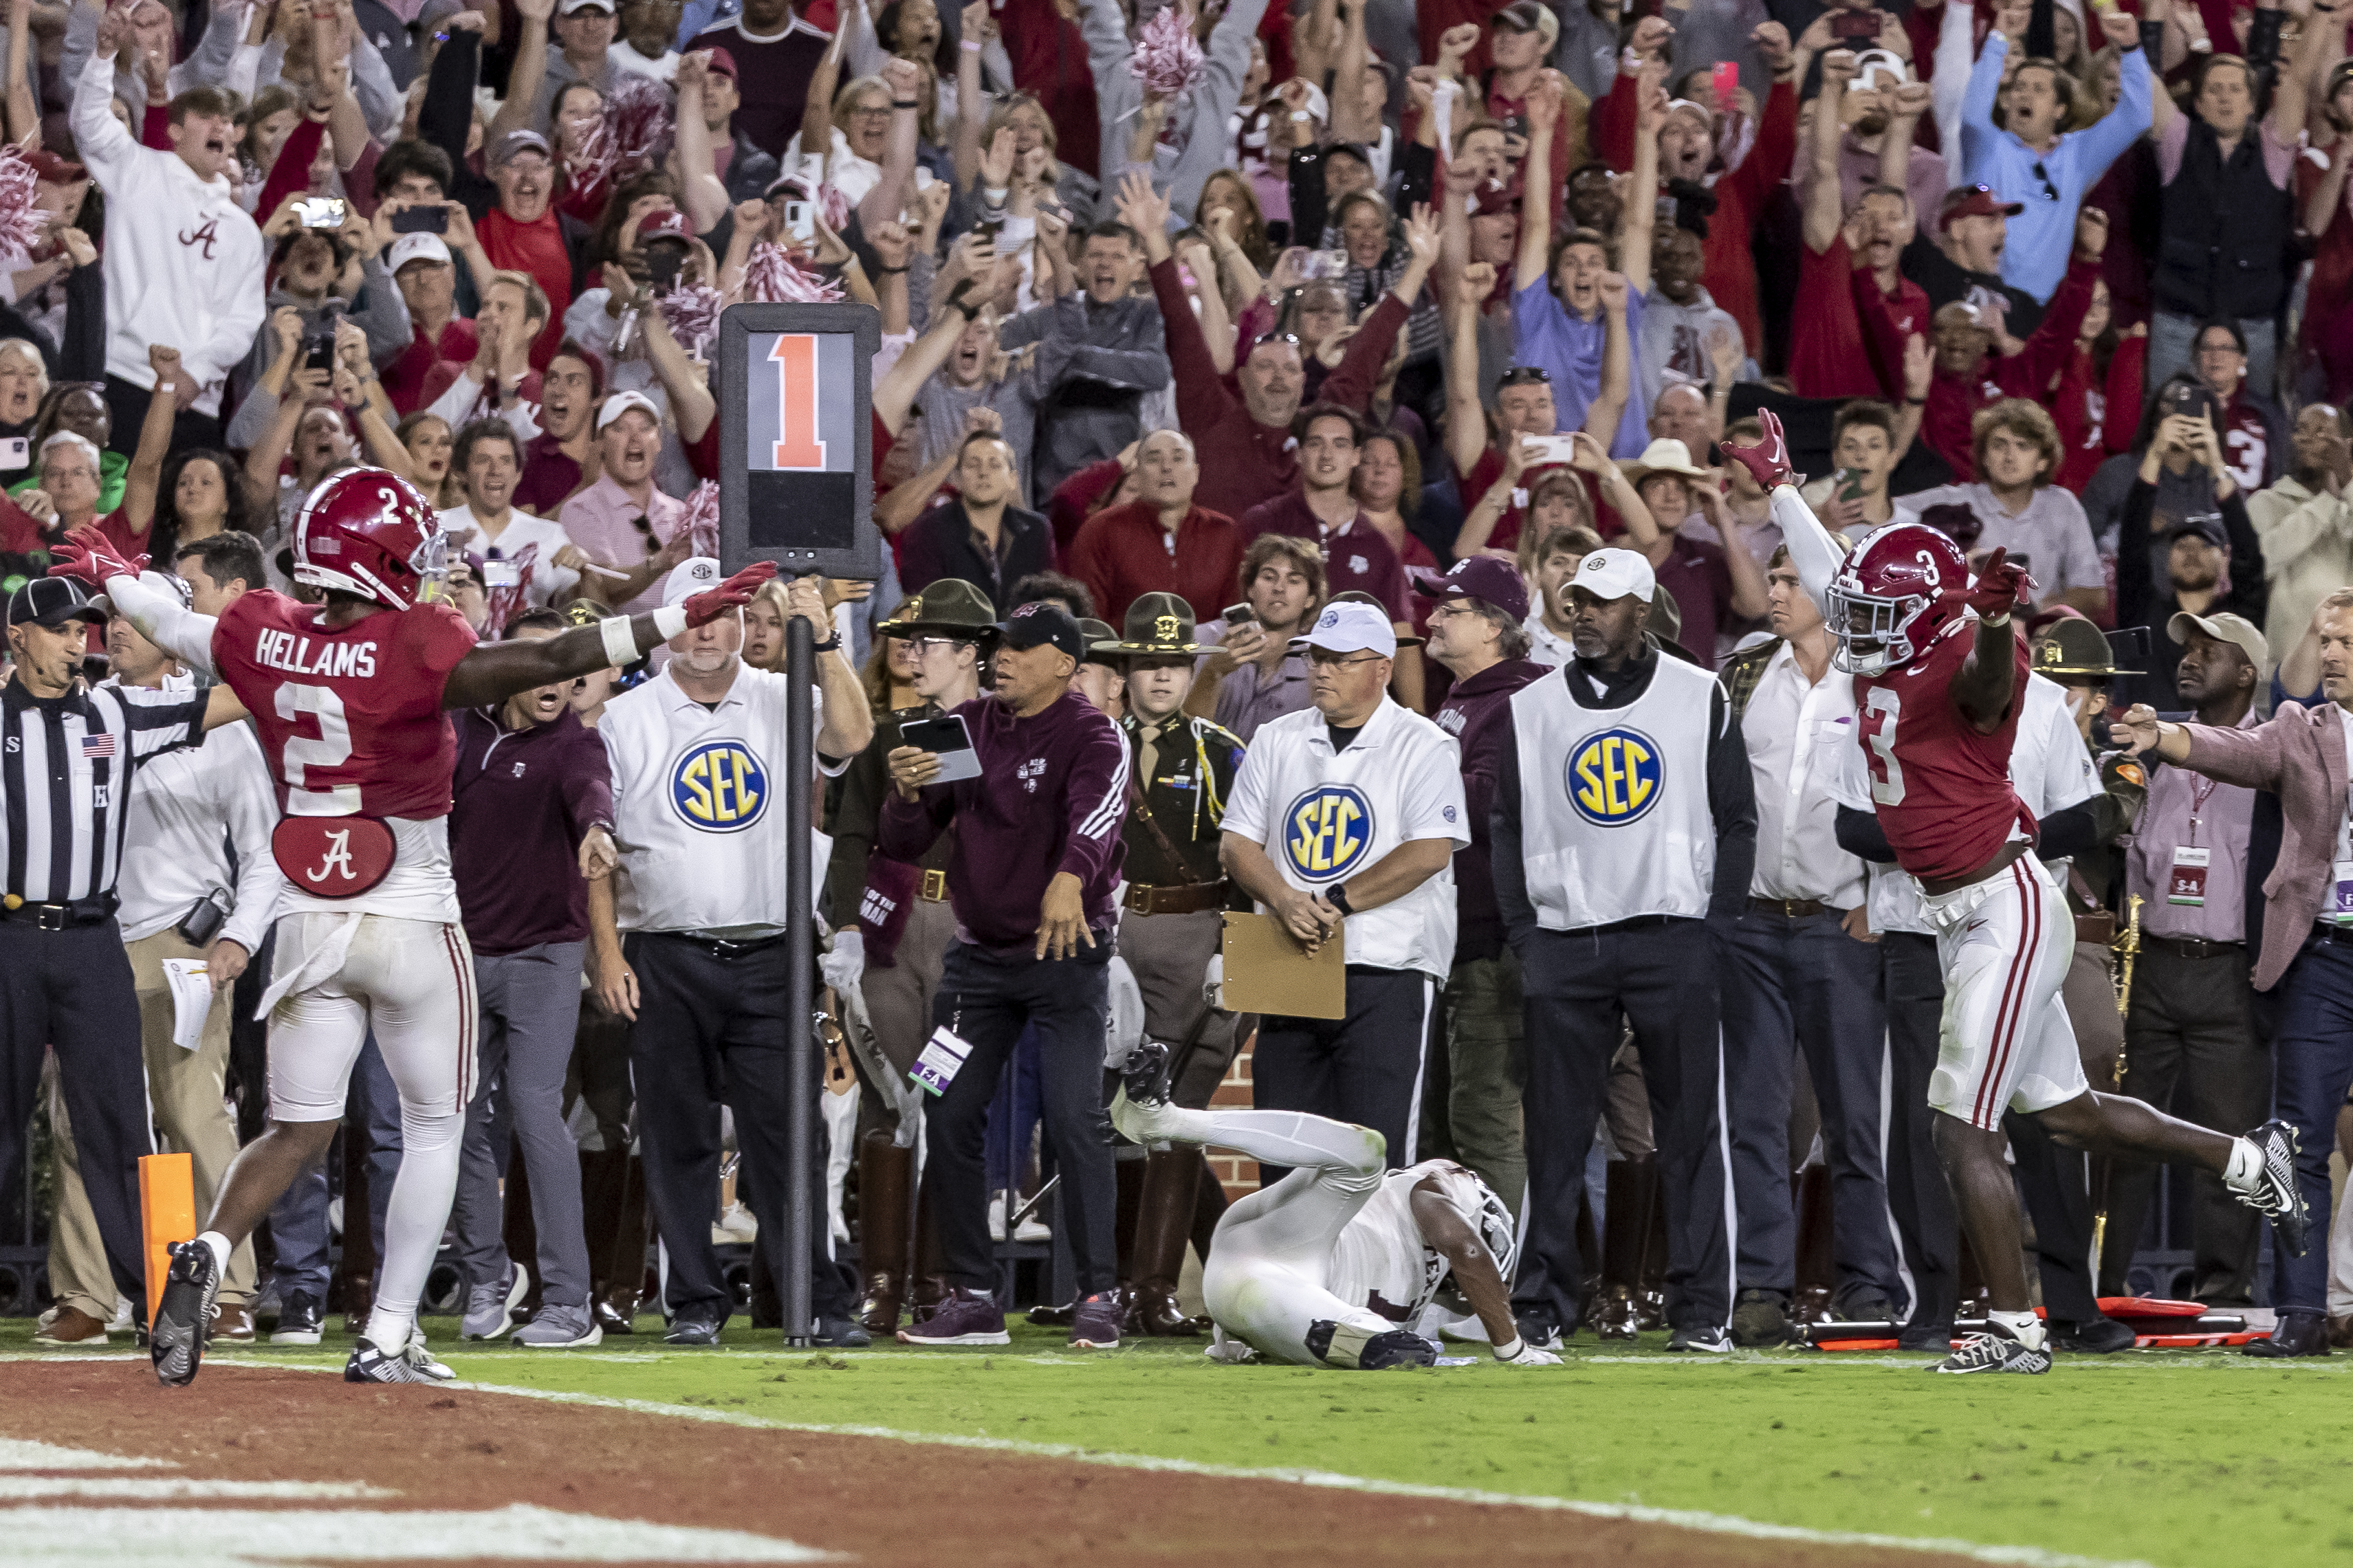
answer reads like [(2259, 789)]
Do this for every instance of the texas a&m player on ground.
[(350, 698), (1939, 678), (1334, 1264)]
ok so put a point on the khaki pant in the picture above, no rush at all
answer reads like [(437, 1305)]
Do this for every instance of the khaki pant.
[(186, 1090), (1487, 1064), (1169, 956)]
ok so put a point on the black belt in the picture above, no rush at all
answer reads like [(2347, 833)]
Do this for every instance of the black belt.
[(718, 947), (2195, 947), (2334, 934), (58, 917), (1790, 909), (1637, 922)]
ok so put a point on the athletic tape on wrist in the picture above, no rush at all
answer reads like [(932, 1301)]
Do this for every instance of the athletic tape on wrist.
[(669, 620), (620, 642)]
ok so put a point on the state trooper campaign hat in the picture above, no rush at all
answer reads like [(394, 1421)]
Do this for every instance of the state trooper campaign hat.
[(1157, 625), (2074, 646), (1099, 638), (948, 607)]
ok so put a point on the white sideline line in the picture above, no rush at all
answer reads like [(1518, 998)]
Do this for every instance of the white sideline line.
[(182, 1488), (1688, 1519)]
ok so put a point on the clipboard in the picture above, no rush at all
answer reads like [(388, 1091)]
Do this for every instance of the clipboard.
[(1267, 970)]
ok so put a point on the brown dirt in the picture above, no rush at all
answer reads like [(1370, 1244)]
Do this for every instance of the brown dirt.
[(883, 1501)]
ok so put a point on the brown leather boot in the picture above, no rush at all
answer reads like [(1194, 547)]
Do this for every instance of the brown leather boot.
[(1627, 1203), (886, 1173), (1651, 1296), (929, 1287), (1164, 1219), (1817, 1265)]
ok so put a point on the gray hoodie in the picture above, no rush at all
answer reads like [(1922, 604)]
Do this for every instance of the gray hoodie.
[(1193, 143)]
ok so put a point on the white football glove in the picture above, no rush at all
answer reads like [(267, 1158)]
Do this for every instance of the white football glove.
[(843, 966), (1126, 1024), (1529, 1356)]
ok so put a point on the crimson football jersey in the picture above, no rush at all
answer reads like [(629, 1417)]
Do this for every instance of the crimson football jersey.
[(350, 720), (1942, 789)]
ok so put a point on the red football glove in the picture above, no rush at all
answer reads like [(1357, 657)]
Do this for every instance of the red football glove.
[(90, 556), (2000, 587), (1768, 462), (703, 608)]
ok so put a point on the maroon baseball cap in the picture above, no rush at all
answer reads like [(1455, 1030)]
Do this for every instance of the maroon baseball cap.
[(1484, 578), (717, 58), (1976, 201)]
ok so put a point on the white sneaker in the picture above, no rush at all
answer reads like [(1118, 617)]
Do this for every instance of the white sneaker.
[(736, 1227), (1033, 1229), (996, 1216)]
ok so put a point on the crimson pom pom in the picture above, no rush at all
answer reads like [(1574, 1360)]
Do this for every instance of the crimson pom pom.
[(692, 311), (23, 225), (771, 277), (701, 518), (1167, 59)]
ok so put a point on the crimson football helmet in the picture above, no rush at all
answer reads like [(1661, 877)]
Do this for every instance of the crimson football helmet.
[(369, 532), (1894, 593)]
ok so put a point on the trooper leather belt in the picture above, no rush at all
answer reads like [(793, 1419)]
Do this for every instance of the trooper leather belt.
[(2194, 946), (933, 889), (1789, 909), (2100, 928), (1175, 898), (59, 917)]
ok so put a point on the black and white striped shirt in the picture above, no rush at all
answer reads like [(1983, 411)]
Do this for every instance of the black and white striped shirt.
[(65, 781)]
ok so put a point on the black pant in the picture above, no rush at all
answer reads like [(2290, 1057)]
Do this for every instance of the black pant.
[(2191, 1049), (1579, 986), (984, 1000), (127, 405), (711, 1031), (1912, 989), (1365, 1068), (72, 990), (1804, 984)]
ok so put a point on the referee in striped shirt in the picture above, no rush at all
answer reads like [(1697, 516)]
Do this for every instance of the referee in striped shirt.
[(66, 755)]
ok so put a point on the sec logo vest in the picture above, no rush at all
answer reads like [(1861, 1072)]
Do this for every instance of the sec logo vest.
[(1327, 831), (1614, 777), (719, 787)]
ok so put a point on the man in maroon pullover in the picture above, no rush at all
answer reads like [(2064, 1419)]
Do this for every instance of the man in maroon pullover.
[(1038, 845)]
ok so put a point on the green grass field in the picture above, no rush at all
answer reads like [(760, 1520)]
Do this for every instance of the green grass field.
[(2173, 1459)]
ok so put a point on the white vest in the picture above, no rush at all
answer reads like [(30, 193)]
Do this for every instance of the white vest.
[(1324, 818), (1614, 819)]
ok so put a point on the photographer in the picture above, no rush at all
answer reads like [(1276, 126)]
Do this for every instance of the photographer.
[(323, 257), (2187, 545)]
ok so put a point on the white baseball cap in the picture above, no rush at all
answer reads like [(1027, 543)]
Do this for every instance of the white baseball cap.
[(1614, 574), (689, 578), (1347, 626), (411, 248), (620, 403)]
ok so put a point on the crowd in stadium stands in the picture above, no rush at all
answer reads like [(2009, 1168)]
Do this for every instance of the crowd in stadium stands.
[(1197, 323)]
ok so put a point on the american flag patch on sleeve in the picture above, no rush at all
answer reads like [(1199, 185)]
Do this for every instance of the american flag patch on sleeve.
[(98, 746)]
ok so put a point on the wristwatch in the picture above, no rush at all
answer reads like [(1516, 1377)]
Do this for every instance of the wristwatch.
[(1337, 896)]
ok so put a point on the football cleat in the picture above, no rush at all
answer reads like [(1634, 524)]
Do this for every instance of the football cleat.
[(177, 1343), (413, 1363), (2275, 1191), (1994, 1350), (1360, 1350), (1707, 1338), (1145, 1075)]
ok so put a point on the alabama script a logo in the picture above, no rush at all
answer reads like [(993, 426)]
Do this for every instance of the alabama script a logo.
[(203, 236), (337, 861)]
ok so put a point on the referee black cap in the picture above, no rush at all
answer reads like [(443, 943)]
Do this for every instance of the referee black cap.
[(51, 602)]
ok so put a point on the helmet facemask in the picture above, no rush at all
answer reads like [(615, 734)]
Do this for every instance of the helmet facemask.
[(1883, 642)]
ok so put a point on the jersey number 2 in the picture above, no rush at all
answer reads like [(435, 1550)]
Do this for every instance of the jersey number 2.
[(796, 443), (1879, 711), (334, 744)]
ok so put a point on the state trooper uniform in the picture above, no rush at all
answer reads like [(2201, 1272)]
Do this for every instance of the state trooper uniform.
[(699, 817), (1325, 816), (1170, 926), (1624, 820), (899, 911)]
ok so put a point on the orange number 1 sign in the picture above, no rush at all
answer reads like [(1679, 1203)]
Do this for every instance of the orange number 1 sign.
[(796, 445)]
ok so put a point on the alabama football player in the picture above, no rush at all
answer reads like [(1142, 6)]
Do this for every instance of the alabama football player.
[(1938, 675), (350, 697)]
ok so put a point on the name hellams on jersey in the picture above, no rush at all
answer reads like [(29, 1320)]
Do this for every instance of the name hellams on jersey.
[(296, 654)]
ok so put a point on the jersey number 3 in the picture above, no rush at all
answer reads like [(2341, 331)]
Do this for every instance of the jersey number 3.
[(1879, 711), (333, 743)]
